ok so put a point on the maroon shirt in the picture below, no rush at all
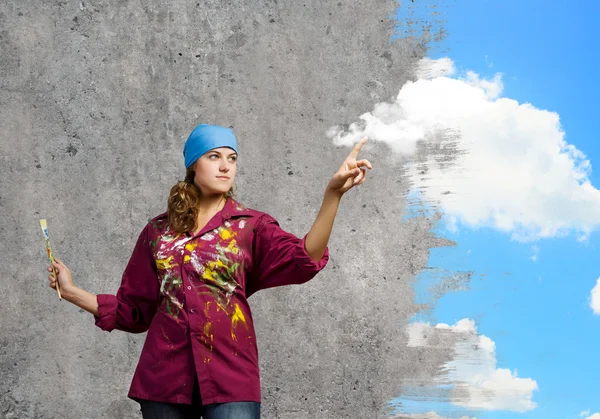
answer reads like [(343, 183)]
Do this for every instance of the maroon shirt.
[(190, 294)]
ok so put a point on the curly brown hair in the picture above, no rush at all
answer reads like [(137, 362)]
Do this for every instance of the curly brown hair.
[(184, 199)]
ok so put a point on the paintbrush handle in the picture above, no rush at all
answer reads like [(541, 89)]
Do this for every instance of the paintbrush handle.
[(57, 283), (44, 226)]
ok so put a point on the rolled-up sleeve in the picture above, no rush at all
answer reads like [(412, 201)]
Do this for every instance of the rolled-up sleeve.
[(280, 258), (136, 301)]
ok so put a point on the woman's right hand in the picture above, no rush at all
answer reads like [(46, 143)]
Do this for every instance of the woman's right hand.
[(64, 277)]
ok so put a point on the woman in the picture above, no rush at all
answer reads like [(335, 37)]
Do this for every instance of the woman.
[(189, 277)]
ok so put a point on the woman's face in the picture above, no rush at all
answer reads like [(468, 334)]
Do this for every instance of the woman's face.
[(215, 171)]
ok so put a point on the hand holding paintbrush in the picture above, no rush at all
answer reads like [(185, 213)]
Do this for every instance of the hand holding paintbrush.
[(44, 226), (60, 278), (59, 272)]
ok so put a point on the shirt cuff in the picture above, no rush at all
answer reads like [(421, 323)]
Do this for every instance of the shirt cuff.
[(307, 263), (107, 312)]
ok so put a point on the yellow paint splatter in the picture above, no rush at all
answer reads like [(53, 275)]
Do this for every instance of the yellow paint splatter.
[(215, 264), (164, 264), (237, 317), (208, 274), (207, 331), (191, 246), (210, 268), (186, 258), (232, 247), (225, 233)]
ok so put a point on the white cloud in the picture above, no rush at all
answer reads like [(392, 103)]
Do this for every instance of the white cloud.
[(510, 167), (478, 383), (595, 298), (585, 415), (536, 252)]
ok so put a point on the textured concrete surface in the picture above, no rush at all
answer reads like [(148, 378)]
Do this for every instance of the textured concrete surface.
[(96, 100)]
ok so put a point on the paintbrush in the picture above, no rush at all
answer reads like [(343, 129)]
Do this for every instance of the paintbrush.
[(44, 226)]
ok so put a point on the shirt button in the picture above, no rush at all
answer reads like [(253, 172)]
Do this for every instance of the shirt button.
[(192, 311), (189, 287)]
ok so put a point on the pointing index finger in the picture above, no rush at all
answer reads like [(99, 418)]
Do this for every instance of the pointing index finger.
[(357, 148)]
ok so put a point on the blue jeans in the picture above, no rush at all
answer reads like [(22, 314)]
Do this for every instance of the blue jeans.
[(234, 410)]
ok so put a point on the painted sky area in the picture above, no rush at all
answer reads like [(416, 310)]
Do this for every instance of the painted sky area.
[(527, 308)]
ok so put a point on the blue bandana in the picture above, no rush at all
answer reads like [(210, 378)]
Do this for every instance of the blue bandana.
[(204, 138)]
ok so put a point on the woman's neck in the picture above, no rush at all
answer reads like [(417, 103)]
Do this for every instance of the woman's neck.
[(210, 205)]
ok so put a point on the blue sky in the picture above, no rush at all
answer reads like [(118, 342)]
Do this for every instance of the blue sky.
[(536, 311)]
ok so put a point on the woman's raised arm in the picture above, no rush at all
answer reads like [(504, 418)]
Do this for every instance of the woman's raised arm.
[(351, 173)]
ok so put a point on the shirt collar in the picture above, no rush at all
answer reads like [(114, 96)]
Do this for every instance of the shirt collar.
[(230, 210), (233, 208)]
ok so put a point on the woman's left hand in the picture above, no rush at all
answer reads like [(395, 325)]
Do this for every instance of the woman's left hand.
[(351, 173)]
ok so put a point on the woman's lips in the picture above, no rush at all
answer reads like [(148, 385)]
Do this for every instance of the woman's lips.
[(223, 177)]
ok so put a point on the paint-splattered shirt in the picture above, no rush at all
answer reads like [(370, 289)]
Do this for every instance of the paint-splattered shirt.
[(190, 294)]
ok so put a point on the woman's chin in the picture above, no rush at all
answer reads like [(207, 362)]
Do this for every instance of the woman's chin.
[(215, 188), (216, 191)]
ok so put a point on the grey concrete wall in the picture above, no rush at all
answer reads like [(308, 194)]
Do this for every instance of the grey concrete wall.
[(96, 100)]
